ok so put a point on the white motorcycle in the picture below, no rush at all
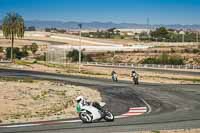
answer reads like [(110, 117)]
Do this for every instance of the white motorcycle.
[(135, 79), (114, 77), (89, 113)]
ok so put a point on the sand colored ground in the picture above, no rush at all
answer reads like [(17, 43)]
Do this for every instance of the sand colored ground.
[(19, 42), (40, 100)]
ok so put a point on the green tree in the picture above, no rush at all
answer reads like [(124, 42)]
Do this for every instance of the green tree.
[(74, 56), (34, 48), (1, 49), (13, 26), (31, 28), (25, 48), (16, 53), (160, 33)]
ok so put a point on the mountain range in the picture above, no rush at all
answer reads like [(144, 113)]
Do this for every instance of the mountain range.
[(101, 25)]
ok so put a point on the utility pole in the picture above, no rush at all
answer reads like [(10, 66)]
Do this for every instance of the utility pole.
[(197, 37), (183, 38), (79, 62), (148, 27)]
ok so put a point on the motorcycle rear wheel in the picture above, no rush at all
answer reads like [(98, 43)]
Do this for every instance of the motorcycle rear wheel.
[(109, 117)]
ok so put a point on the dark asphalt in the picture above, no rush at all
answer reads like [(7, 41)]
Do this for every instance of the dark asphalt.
[(173, 106), (51, 42)]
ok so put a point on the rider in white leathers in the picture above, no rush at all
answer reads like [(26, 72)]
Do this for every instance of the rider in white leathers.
[(81, 101), (135, 76)]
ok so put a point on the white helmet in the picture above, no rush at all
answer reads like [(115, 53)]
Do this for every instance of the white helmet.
[(79, 98)]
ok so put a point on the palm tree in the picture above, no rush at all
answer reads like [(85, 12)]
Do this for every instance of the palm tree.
[(13, 26)]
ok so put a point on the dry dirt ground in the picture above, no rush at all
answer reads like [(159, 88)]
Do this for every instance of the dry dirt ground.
[(40, 35), (19, 42), (42, 38), (26, 101)]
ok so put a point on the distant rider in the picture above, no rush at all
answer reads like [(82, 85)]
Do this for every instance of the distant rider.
[(133, 73), (114, 76), (135, 76)]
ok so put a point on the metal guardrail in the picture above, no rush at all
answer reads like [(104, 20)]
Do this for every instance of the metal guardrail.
[(127, 65)]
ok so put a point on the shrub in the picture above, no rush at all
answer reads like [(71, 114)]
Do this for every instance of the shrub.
[(164, 59), (41, 57), (1, 49), (74, 55), (150, 61), (87, 58), (25, 48), (16, 53), (195, 51), (35, 61), (187, 50), (172, 50), (34, 48), (175, 60)]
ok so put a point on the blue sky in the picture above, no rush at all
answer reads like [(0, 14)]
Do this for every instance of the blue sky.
[(132, 11)]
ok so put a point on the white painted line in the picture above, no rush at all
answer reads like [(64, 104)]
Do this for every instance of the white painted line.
[(137, 111), (120, 116), (132, 114), (70, 121), (21, 125), (138, 108), (149, 107)]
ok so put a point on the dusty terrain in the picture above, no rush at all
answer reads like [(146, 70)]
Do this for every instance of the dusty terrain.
[(137, 56), (72, 39), (30, 100), (19, 42), (45, 38)]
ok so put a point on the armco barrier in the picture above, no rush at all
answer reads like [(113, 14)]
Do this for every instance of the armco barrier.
[(189, 67)]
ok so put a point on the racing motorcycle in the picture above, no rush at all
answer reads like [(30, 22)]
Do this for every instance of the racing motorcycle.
[(88, 113), (114, 78), (135, 79)]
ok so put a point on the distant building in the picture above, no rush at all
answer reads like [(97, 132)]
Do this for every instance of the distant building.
[(132, 32), (182, 32)]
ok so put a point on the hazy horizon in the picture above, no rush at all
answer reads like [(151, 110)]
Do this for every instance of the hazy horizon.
[(167, 12)]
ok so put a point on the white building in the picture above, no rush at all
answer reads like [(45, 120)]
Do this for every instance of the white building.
[(132, 31)]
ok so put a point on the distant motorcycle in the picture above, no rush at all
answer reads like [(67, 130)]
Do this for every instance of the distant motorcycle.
[(114, 77), (89, 113), (135, 79)]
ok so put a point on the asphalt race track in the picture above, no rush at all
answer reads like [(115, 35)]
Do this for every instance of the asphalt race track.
[(169, 106)]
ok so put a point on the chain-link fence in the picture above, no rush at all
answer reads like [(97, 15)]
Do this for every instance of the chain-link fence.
[(57, 54)]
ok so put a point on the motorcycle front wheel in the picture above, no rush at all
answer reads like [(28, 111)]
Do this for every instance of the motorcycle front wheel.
[(85, 117)]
